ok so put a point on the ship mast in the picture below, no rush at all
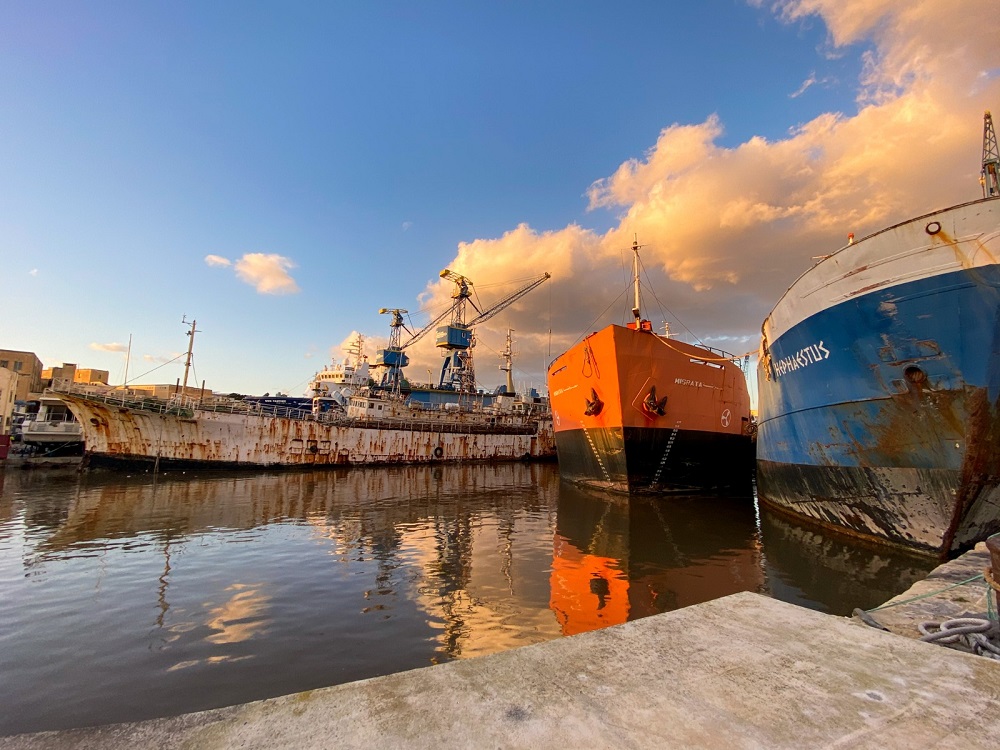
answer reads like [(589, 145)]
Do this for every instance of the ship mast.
[(187, 362), (635, 280), (507, 362), (991, 158)]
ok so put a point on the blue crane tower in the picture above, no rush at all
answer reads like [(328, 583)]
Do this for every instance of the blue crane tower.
[(456, 338)]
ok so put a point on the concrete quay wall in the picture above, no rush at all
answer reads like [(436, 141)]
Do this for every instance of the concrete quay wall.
[(744, 671)]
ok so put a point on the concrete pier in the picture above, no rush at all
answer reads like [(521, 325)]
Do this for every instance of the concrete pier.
[(744, 671)]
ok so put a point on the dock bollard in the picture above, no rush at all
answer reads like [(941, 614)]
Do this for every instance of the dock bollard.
[(993, 545)]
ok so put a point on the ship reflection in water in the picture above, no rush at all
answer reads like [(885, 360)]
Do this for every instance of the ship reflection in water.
[(127, 598), (617, 559)]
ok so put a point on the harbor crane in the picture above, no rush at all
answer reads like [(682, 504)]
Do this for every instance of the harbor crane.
[(455, 338), (392, 357), (991, 158)]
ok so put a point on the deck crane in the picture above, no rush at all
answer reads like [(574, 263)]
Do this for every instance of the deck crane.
[(991, 159), (392, 357), (455, 338)]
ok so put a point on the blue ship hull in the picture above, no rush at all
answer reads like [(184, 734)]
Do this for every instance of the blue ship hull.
[(880, 412)]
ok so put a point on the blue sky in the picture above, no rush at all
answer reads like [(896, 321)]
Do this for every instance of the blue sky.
[(282, 171)]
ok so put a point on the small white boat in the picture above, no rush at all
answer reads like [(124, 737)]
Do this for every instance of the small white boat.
[(52, 427)]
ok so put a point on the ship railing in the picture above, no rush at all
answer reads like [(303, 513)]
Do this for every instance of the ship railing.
[(186, 407), (176, 404), (338, 419), (428, 425), (467, 428), (49, 418), (122, 397), (740, 360), (723, 354)]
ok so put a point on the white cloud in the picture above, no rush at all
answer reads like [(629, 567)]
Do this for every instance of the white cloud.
[(33, 272), (160, 358), (268, 273), (108, 347), (407, 225)]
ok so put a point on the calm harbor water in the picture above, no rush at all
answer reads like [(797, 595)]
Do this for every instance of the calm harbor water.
[(125, 598)]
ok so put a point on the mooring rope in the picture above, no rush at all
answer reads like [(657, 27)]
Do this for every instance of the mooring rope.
[(927, 595), (965, 633)]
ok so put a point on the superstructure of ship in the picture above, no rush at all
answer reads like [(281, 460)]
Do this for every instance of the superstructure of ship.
[(635, 411), (879, 382), (341, 380), (377, 424)]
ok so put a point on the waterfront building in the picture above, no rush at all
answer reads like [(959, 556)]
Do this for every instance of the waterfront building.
[(28, 368), (8, 389), (87, 376)]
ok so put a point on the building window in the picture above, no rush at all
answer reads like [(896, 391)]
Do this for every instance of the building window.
[(4, 363), (17, 365)]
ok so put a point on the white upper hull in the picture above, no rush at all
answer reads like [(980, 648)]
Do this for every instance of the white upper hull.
[(961, 237)]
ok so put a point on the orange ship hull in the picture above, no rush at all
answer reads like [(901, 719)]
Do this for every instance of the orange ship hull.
[(637, 412)]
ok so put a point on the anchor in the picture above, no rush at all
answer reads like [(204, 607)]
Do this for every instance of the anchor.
[(652, 406), (594, 404)]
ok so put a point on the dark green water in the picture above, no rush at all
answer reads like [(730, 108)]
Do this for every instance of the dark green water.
[(125, 598)]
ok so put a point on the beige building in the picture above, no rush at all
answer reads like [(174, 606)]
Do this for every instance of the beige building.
[(83, 376), (8, 387), (87, 376), (30, 378), (28, 368)]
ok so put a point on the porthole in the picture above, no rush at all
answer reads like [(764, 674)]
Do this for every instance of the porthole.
[(934, 227)]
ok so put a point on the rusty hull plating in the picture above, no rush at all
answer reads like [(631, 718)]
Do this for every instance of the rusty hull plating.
[(128, 434)]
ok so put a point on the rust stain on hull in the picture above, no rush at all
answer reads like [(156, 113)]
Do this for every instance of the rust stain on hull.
[(901, 491)]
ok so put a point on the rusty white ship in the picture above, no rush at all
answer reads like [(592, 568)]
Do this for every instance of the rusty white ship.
[(380, 424), (225, 433), (879, 382)]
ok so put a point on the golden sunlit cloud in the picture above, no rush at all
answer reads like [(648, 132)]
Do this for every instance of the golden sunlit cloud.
[(268, 273), (725, 230)]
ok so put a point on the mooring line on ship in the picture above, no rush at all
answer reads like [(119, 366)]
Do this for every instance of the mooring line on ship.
[(732, 358)]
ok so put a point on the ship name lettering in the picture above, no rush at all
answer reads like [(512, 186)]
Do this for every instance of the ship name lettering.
[(802, 358), (685, 381)]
